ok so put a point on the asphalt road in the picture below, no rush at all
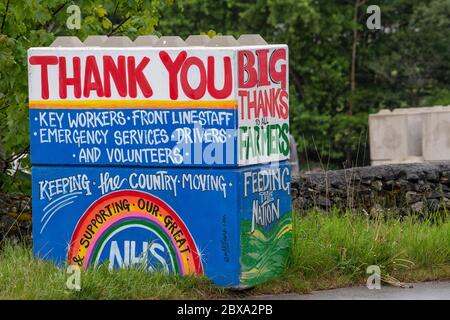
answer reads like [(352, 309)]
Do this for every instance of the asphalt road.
[(419, 291)]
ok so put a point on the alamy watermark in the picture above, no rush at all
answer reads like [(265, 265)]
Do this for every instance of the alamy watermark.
[(74, 19), (74, 278), (374, 20), (374, 280)]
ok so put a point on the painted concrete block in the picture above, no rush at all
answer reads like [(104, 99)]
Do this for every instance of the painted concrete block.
[(232, 225), (436, 135), (221, 105), (149, 154)]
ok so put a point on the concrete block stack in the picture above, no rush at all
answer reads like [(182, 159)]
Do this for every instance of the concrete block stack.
[(161, 153), (410, 135)]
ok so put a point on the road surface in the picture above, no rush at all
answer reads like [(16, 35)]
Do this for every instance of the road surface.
[(419, 291)]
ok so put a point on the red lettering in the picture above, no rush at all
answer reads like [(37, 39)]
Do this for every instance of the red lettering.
[(64, 81), (227, 79), (260, 106), (136, 77), (275, 94), (263, 103), (193, 93), (278, 76), (268, 103), (117, 73), (243, 94), (92, 79), (44, 62), (284, 104), (262, 67), (246, 66), (251, 104), (173, 67)]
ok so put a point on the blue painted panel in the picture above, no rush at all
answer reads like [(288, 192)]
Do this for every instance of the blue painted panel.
[(167, 219), (134, 137)]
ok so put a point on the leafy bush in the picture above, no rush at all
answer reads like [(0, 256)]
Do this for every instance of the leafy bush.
[(25, 24)]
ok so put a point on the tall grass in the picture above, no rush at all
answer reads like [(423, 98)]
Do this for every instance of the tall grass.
[(334, 249), (22, 276), (348, 244), (328, 250)]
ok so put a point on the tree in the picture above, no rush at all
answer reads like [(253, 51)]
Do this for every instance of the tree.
[(340, 71), (25, 24)]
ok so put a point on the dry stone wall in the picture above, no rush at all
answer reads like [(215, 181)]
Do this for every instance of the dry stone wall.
[(15, 218), (421, 187)]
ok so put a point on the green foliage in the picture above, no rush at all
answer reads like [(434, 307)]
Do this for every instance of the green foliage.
[(25, 24), (405, 64), (17, 182)]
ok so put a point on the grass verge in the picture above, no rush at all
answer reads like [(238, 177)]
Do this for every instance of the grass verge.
[(328, 251)]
